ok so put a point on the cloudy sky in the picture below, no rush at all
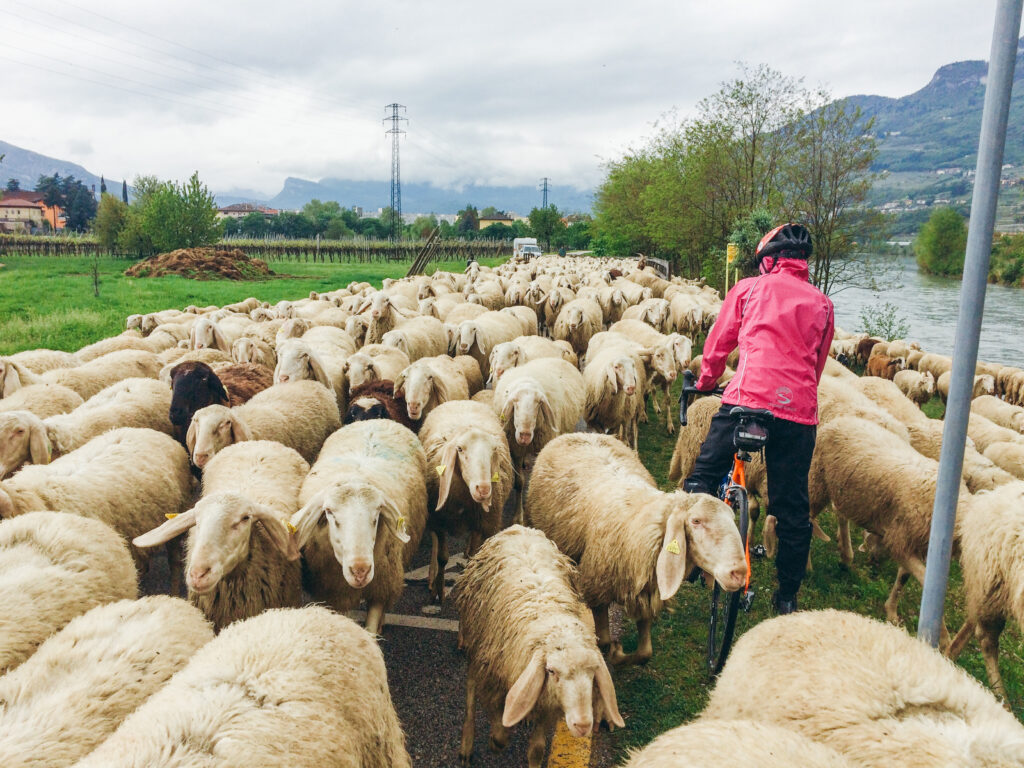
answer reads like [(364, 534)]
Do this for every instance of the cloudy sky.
[(496, 93)]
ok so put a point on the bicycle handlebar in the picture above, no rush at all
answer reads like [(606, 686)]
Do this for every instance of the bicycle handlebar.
[(688, 391)]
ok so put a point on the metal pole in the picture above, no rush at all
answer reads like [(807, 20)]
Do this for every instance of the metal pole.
[(1001, 65)]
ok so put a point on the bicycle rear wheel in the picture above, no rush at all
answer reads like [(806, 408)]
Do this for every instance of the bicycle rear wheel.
[(725, 605)]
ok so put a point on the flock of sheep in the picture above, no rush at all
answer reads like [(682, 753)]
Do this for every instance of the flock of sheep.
[(333, 433)]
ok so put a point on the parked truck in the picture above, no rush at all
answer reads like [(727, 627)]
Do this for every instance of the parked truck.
[(525, 248)]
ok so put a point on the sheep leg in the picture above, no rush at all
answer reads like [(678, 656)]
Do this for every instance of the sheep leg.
[(438, 562), (643, 409), (468, 725), (644, 647), (845, 544), (961, 640), (916, 567), (670, 421), (520, 488), (375, 618), (601, 627), (538, 745), (892, 613), (988, 639), (475, 539), (174, 566)]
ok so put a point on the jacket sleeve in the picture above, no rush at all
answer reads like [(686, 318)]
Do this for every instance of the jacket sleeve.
[(721, 340), (826, 338)]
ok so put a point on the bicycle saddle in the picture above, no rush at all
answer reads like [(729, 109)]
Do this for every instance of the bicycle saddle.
[(755, 414)]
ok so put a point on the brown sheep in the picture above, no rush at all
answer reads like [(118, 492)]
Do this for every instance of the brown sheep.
[(377, 400), (864, 347), (885, 367)]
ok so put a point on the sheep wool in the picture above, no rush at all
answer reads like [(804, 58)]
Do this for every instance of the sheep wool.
[(91, 377), (44, 400), (83, 681), (303, 687), (899, 702), (55, 568)]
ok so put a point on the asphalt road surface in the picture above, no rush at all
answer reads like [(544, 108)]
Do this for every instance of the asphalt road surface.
[(427, 677)]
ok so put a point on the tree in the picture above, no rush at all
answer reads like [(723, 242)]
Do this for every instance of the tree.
[(468, 222), (942, 243), (545, 223), (254, 224), (13, 185), (423, 226), (79, 205), (111, 217), (391, 223), (53, 195), (490, 212), (103, 186), (199, 208), (321, 214), (124, 191)]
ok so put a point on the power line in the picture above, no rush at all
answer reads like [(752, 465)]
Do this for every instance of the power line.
[(396, 177)]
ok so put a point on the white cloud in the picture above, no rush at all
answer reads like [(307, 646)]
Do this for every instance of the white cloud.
[(249, 93)]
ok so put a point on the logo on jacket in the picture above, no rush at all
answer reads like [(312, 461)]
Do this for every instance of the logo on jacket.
[(784, 395)]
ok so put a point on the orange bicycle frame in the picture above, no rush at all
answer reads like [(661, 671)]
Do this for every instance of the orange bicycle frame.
[(739, 477)]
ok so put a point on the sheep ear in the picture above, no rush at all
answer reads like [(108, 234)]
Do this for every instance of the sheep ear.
[(363, 307), (192, 338), (278, 531), (39, 447), (613, 379), (190, 437), (240, 431), (218, 389), (524, 693), (446, 471), (220, 340), (399, 383), (319, 373), (443, 393), (395, 520), (11, 382), (507, 411), (606, 688), (671, 566), (545, 409), (304, 521), (175, 526)]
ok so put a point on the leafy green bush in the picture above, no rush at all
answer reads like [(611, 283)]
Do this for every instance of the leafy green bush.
[(1007, 264), (884, 321), (941, 243)]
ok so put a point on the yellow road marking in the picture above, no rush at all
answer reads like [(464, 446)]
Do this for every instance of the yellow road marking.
[(568, 751)]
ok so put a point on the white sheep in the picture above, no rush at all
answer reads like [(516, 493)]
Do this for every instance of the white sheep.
[(740, 742), (577, 323), (374, 362), (127, 478), (299, 361), (299, 414), (42, 399), (15, 375), (670, 354), (386, 313), (530, 644), (418, 337), (55, 567), (304, 686), (26, 438), (370, 483), (633, 543), (89, 378), (43, 360), (1002, 413), (473, 477), (83, 681), (479, 336), (867, 690), (430, 381), (522, 350), (918, 387), (220, 334), (241, 559), (1007, 456), (156, 342), (250, 350), (984, 384), (653, 312), (615, 378)]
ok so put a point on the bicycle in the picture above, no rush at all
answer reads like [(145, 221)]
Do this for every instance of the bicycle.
[(749, 437)]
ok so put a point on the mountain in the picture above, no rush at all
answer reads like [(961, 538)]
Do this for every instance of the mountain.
[(418, 197), (27, 166), (938, 126)]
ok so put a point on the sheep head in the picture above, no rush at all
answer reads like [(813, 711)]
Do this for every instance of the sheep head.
[(297, 361), (467, 337), (212, 429), (421, 386), (24, 439), (361, 369), (353, 511), (503, 357), (194, 385), (564, 671), (700, 530), (474, 454), (525, 406)]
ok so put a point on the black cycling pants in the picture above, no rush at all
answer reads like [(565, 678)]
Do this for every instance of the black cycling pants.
[(788, 461)]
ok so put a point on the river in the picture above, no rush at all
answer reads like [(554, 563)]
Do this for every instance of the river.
[(930, 305)]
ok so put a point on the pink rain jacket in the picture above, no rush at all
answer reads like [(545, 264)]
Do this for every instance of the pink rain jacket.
[(784, 328)]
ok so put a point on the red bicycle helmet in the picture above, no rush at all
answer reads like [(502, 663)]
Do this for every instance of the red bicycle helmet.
[(791, 241)]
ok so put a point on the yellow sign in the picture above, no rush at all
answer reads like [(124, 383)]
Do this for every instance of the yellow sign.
[(731, 252)]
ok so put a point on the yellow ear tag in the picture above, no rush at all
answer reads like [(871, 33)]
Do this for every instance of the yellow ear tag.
[(440, 470), (673, 547), (495, 478), (401, 524), (291, 528), (171, 515)]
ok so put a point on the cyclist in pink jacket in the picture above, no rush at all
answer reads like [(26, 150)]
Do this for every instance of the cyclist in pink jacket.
[(783, 326)]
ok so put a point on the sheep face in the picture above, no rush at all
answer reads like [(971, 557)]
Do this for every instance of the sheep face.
[(983, 385), (380, 305), (133, 321), (428, 308), (663, 362), (23, 439), (194, 385), (361, 369), (574, 318), (418, 384), (213, 429), (206, 334), (525, 406), (295, 328), (297, 362), (353, 512), (700, 530), (503, 357), (565, 674), (243, 350), (467, 337), (148, 324), (682, 348), (622, 375), (355, 327), (223, 530), (475, 453)]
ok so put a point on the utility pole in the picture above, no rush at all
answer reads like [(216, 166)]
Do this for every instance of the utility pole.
[(396, 177), (544, 188)]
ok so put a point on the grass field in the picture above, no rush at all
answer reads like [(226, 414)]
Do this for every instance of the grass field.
[(50, 303)]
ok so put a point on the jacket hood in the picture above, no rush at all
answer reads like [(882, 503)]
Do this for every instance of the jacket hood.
[(795, 267)]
